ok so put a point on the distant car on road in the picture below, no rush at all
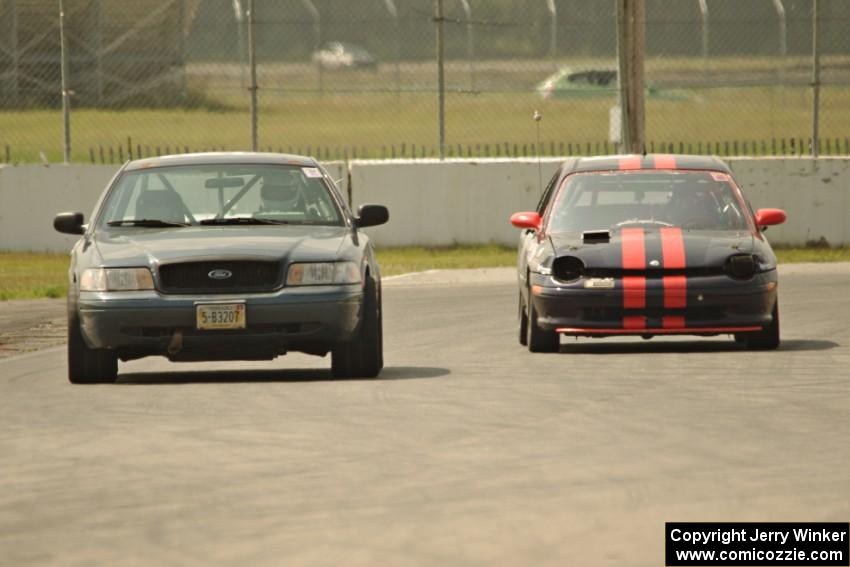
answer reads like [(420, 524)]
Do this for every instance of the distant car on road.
[(223, 256), (338, 55), (593, 82), (646, 245)]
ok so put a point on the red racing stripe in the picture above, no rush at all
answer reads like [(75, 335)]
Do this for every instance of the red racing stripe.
[(634, 258), (630, 162), (665, 161), (634, 322), (634, 250), (672, 248), (673, 254), (673, 322), (675, 292), (634, 292)]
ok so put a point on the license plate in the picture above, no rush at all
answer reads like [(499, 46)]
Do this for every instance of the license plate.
[(599, 283), (215, 316)]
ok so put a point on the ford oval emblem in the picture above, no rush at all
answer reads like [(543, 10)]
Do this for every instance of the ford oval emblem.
[(219, 274)]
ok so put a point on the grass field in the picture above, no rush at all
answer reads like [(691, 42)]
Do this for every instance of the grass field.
[(30, 276), (382, 125)]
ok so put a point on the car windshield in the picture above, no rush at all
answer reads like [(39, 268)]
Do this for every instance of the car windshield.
[(221, 194), (697, 200)]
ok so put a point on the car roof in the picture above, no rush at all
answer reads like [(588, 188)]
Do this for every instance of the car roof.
[(214, 158), (647, 161)]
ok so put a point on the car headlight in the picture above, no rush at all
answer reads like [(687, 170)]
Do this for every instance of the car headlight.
[(116, 279), (568, 268), (323, 273), (741, 266), (541, 262)]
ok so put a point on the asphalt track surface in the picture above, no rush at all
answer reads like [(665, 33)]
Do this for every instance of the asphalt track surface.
[(467, 450)]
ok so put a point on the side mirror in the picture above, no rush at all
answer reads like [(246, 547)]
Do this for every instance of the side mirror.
[(69, 223), (530, 220), (769, 217), (371, 215)]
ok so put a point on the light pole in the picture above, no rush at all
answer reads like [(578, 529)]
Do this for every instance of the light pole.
[(66, 94), (252, 63)]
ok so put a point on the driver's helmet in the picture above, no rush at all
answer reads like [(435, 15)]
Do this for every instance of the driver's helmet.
[(282, 191), (694, 207)]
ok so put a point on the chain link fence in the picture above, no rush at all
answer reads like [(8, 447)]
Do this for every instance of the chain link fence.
[(342, 79)]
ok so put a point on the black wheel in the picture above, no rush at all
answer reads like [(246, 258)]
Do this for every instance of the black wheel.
[(540, 340), (363, 356), (523, 323), (766, 339), (88, 365)]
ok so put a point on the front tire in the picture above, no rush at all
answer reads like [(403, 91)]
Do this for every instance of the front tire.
[(523, 323), (363, 356), (540, 340), (88, 365), (767, 338)]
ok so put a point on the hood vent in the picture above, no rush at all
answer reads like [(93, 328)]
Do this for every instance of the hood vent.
[(596, 236)]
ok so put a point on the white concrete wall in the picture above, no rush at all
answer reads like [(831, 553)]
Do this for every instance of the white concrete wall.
[(814, 193), (453, 202), (435, 204), (463, 201), (31, 195)]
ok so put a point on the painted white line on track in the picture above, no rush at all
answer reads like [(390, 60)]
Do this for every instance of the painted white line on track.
[(408, 274)]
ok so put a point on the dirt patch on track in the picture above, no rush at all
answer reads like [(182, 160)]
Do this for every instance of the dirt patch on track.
[(31, 324)]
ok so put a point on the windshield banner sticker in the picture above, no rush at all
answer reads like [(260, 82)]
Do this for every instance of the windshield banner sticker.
[(312, 171)]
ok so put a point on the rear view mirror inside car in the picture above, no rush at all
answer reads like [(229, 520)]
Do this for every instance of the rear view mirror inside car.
[(224, 182)]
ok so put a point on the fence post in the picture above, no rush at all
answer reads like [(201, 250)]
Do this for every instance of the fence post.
[(391, 7), (470, 43), (252, 63), (630, 54), (181, 47), (703, 10), (240, 39), (66, 102), (553, 31), (317, 39), (98, 39), (13, 46), (441, 79), (815, 79), (783, 38)]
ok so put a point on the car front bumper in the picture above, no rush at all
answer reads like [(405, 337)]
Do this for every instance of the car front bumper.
[(308, 319), (712, 305)]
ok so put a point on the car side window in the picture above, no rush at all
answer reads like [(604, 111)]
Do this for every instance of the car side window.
[(547, 193)]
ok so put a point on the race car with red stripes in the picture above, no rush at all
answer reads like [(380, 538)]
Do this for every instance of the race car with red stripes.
[(646, 245)]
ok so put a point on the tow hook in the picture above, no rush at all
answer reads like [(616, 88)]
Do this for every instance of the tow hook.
[(175, 345)]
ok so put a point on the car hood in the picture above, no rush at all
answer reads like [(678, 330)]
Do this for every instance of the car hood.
[(151, 246), (703, 248)]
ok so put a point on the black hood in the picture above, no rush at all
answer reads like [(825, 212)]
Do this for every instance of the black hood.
[(703, 248)]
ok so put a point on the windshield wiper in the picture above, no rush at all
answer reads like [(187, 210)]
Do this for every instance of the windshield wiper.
[(242, 220), (152, 223)]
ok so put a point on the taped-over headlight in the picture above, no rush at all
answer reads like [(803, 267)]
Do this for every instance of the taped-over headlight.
[(323, 273), (763, 265), (116, 279)]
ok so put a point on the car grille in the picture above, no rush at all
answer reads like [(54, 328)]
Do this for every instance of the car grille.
[(608, 314), (193, 277)]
